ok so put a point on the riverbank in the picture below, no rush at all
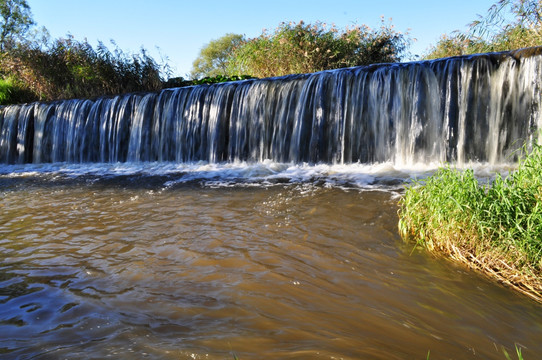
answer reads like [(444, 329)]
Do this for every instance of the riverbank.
[(495, 228)]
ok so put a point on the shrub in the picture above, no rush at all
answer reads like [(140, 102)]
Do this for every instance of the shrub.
[(305, 48), (495, 32), (72, 69)]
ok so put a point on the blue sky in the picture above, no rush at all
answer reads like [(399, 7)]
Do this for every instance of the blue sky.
[(180, 28)]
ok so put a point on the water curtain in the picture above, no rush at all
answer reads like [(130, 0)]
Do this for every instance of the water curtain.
[(469, 108)]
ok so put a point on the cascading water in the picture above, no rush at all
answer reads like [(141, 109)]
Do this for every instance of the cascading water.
[(257, 219), (471, 108)]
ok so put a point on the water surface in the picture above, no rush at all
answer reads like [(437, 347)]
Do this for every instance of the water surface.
[(128, 266)]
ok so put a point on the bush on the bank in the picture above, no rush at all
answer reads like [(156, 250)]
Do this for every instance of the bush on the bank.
[(495, 227), (305, 48), (495, 32), (69, 68)]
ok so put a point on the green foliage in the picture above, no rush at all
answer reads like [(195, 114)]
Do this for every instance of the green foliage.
[(11, 92), (305, 48), (6, 92), (15, 20), (68, 68), (181, 82), (220, 79), (214, 57), (495, 32), (498, 227)]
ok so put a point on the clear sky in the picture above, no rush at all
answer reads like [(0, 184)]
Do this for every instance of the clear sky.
[(179, 28)]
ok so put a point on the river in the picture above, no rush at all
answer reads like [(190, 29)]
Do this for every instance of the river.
[(113, 261)]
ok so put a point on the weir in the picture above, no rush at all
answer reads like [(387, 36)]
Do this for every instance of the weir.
[(470, 108)]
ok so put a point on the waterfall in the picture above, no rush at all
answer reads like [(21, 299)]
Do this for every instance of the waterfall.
[(470, 108)]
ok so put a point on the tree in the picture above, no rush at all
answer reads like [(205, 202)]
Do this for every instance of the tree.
[(15, 20), (305, 48), (496, 31), (214, 57)]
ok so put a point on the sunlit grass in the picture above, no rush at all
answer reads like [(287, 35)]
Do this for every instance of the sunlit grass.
[(10, 92), (518, 353), (496, 227)]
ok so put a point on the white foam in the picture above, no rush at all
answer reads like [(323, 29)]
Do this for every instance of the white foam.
[(266, 173)]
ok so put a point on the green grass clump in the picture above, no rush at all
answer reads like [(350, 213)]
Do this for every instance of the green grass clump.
[(518, 353), (494, 227), (11, 92), (6, 90)]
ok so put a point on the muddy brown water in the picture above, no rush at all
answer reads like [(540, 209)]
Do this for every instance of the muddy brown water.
[(279, 272)]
